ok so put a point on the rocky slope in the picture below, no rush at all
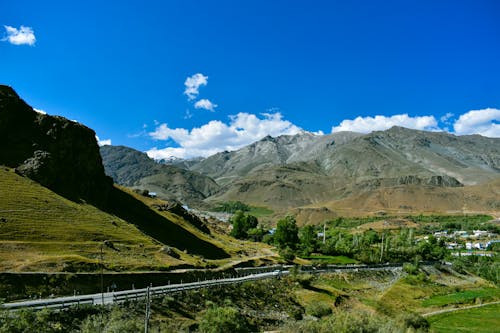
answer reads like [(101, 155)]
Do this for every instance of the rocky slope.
[(307, 170), (395, 170), (269, 152), (134, 169)]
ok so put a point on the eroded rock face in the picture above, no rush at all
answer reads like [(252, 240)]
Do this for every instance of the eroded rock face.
[(60, 154)]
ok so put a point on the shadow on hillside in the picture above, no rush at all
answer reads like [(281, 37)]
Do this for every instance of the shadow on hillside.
[(128, 208)]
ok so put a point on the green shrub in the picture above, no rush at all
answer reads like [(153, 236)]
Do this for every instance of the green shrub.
[(410, 268), (223, 319), (415, 321), (287, 254), (318, 309), (118, 321)]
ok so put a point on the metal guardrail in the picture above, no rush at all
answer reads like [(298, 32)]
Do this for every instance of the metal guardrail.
[(136, 294)]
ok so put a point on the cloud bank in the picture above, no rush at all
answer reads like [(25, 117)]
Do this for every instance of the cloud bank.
[(244, 128), (485, 122), (22, 36), (217, 136), (380, 123)]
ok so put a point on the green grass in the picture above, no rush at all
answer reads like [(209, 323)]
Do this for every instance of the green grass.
[(324, 259), (40, 230), (260, 211), (479, 320), (463, 297)]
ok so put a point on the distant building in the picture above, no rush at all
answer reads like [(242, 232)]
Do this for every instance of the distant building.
[(441, 234), (152, 194)]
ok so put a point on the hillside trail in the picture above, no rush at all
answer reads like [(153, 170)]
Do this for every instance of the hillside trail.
[(265, 253), (429, 314)]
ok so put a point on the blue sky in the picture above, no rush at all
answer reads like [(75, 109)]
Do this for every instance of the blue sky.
[(189, 78)]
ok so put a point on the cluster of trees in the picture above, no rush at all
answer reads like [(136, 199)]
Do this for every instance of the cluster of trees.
[(285, 236), (245, 227), (232, 207), (486, 267), (369, 246)]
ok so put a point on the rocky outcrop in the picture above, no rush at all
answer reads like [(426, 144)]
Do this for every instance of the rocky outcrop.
[(176, 207), (60, 154), (443, 181)]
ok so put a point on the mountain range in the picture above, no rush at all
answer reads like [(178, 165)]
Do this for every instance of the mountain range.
[(320, 176)]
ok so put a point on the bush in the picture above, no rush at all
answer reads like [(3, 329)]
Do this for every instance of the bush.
[(319, 309), (287, 254), (118, 321), (410, 268), (224, 319), (416, 321)]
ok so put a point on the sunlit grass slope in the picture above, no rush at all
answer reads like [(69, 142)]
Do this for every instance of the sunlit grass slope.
[(40, 230)]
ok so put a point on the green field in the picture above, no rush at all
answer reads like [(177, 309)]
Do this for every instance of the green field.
[(463, 297), (485, 319), (260, 211)]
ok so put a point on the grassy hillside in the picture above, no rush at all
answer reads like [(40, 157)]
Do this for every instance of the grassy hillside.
[(42, 231)]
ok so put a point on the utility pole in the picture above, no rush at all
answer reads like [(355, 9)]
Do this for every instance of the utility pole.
[(324, 233), (148, 311), (382, 247), (102, 277)]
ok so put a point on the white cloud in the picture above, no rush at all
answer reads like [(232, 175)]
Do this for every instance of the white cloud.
[(446, 118), (193, 84), (205, 104), (100, 142), (485, 122), (216, 136), (380, 123), (22, 36), (39, 111)]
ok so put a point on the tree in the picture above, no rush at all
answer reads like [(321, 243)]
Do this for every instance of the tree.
[(256, 234), (238, 225), (242, 224), (308, 239), (286, 234)]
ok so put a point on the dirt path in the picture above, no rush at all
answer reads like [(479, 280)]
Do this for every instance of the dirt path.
[(458, 309)]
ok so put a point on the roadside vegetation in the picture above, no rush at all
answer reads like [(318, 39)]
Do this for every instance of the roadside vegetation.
[(363, 301)]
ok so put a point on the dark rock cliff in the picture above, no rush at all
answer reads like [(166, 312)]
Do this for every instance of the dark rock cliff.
[(60, 154)]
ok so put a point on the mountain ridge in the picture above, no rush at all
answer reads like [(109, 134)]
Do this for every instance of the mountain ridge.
[(298, 171), (307, 170), (132, 168)]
